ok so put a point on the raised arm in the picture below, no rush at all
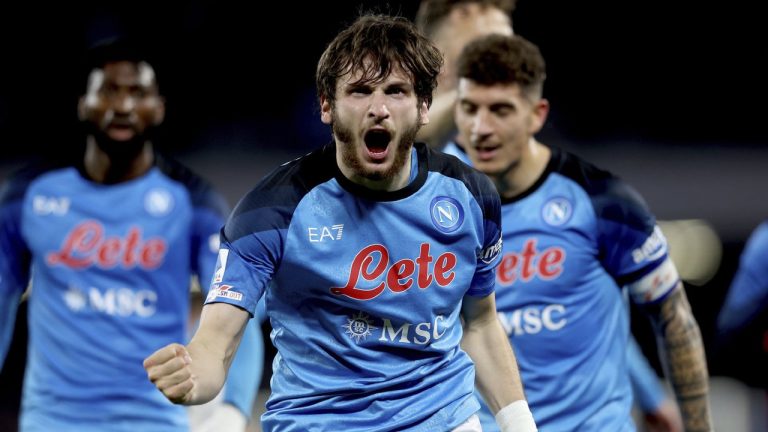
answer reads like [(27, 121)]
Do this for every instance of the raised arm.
[(497, 376), (194, 374)]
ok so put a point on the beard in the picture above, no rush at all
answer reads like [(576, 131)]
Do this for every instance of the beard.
[(351, 159), (119, 151)]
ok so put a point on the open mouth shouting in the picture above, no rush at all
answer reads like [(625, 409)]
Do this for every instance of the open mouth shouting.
[(377, 143)]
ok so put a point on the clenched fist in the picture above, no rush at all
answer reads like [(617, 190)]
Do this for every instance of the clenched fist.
[(169, 369)]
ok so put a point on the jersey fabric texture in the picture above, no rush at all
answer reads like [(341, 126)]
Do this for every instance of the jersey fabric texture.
[(110, 269), (570, 242), (363, 290)]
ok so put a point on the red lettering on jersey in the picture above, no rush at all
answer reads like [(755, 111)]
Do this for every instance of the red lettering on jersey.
[(399, 277), (547, 264), (86, 245)]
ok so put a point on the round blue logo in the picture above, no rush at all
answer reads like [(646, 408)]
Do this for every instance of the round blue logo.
[(447, 214), (158, 202), (557, 211)]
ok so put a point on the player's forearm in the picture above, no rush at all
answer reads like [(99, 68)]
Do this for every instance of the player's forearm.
[(684, 361), (213, 348), (496, 371), (209, 370), (247, 366)]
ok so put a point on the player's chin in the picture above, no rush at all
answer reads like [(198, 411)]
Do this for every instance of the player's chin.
[(490, 168)]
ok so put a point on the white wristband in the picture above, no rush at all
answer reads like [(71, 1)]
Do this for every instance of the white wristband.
[(516, 417)]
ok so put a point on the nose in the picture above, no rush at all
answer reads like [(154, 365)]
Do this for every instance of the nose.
[(481, 124), (378, 107), (123, 103)]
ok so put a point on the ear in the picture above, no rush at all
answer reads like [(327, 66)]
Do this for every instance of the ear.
[(81, 108), (423, 113), (159, 115), (539, 115), (326, 112)]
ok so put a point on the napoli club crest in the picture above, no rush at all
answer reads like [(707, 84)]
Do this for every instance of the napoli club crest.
[(557, 211), (447, 214)]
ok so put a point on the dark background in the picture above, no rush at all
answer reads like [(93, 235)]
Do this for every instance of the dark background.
[(669, 95)]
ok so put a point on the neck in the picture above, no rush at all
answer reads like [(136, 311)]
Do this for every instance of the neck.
[(103, 168), (521, 175)]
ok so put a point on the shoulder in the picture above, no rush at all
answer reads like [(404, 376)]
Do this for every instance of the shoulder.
[(611, 196), (201, 192), (479, 185), (14, 187), (274, 198)]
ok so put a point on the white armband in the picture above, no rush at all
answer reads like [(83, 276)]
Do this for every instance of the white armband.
[(516, 417)]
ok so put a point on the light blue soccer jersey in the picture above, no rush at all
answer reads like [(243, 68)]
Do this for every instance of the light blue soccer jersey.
[(363, 291), (110, 267), (570, 242), (748, 294)]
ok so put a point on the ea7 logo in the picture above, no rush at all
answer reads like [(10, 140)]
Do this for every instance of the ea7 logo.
[(323, 233), (44, 205)]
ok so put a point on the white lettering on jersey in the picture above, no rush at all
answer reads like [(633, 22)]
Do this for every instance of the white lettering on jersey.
[(43, 205), (361, 325), (490, 253), (223, 291), (532, 320), (655, 284), (654, 247), (122, 302), (423, 333), (334, 232)]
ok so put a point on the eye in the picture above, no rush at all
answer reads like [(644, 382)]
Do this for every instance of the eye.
[(503, 110), (109, 90), (468, 108), (359, 90), (395, 91), (138, 92)]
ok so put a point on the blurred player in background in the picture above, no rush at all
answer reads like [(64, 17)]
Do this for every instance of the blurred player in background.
[(573, 236), (110, 241), (451, 25)]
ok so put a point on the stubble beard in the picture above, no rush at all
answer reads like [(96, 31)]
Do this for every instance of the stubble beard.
[(346, 137), (118, 151), (350, 157)]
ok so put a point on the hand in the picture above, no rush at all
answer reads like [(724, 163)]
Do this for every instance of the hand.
[(666, 418), (169, 369), (225, 418)]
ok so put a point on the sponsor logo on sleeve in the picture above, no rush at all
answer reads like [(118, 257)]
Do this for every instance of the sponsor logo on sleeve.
[(654, 247), (490, 253), (224, 291)]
